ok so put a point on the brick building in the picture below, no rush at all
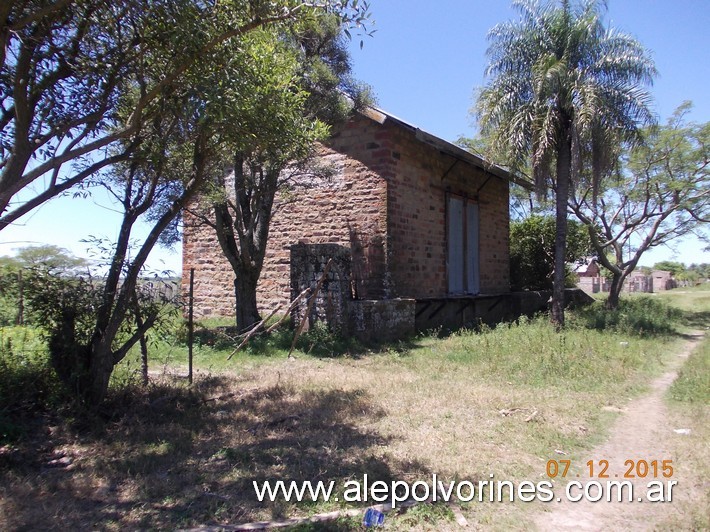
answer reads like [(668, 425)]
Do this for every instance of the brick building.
[(422, 220)]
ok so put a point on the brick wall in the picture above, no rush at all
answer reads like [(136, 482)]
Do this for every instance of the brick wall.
[(347, 209), (214, 281)]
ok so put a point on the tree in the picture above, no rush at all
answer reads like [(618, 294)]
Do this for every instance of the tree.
[(702, 270), (661, 193), (239, 204), (562, 84), (66, 67), (676, 268), (532, 251), (191, 114)]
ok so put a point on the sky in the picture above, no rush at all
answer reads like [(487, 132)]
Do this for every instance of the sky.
[(424, 62)]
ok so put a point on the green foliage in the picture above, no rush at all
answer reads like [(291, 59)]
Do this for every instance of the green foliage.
[(65, 310), (637, 316), (320, 341), (10, 272), (29, 266), (558, 65), (702, 270), (532, 251), (53, 297), (94, 72), (50, 258)]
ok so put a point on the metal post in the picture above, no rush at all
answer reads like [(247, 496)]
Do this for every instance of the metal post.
[(190, 325)]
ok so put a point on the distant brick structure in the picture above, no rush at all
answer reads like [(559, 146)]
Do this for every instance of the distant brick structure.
[(589, 277), (591, 280), (663, 280), (421, 217)]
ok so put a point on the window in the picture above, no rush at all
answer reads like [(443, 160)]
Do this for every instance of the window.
[(462, 241)]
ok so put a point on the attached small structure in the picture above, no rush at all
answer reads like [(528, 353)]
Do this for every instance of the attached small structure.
[(416, 222)]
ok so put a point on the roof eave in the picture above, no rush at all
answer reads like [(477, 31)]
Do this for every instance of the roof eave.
[(446, 147)]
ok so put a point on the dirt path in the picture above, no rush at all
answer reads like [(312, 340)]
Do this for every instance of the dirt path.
[(642, 431)]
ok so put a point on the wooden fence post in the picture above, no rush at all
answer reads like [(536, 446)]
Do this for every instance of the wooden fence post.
[(190, 325)]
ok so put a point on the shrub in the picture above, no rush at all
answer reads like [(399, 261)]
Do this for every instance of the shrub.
[(27, 381), (532, 251)]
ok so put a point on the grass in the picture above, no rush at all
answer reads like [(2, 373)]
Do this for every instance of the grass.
[(500, 401), (26, 379), (693, 302), (693, 383), (639, 316), (689, 401)]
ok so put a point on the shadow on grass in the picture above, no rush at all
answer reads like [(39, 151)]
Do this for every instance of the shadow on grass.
[(171, 456), (696, 319)]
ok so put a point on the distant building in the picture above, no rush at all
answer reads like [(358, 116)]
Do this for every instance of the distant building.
[(663, 280), (591, 280), (589, 276)]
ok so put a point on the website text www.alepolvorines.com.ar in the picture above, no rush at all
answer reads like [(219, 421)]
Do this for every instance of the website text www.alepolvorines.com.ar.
[(397, 492)]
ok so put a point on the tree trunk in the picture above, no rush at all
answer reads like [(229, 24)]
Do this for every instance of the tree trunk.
[(245, 292), (100, 370), (615, 288), (84, 370), (70, 359), (143, 342), (564, 163)]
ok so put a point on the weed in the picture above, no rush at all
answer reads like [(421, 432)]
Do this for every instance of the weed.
[(423, 516)]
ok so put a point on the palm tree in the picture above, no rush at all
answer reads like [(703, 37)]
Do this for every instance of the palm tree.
[(563, 88)]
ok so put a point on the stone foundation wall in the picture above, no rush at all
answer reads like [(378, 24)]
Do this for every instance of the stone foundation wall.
[(382, 320), (366, 319)]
